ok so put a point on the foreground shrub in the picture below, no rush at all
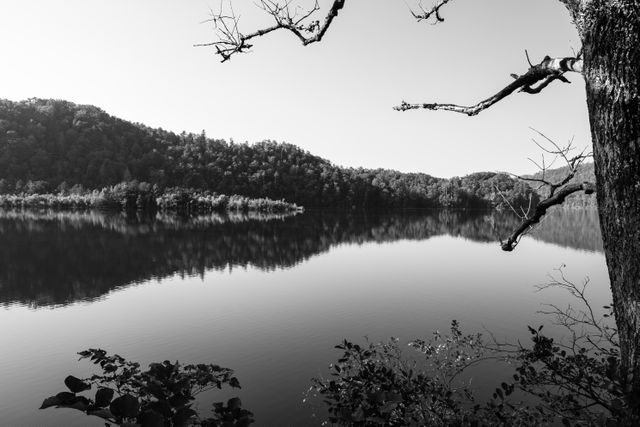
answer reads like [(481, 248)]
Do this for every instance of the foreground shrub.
[(571, 382), (377, 385), (162, 396)]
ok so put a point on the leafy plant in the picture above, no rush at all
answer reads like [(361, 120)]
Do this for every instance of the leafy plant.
[(161, 396), (377, 384), (573, 381)]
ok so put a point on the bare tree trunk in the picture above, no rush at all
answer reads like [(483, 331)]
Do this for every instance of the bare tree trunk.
[(611, 43)]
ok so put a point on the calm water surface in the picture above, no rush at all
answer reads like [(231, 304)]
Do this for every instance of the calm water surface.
[(266, 296)]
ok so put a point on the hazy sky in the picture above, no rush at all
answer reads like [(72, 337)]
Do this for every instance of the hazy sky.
[(135, 60)]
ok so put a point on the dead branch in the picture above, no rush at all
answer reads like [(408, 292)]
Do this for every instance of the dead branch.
[(533, 81), (557, 191), (231, 40), (541, 209), (586, 328), (433, 12)]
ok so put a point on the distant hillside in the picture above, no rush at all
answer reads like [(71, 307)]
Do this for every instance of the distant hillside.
[(579, 200), (53, 145)]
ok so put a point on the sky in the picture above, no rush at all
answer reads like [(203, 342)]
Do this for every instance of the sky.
[(135, 59)]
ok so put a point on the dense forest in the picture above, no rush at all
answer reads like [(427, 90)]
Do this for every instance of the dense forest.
[(53, 146)]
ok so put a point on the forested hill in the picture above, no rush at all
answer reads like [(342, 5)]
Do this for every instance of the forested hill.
[(53, 145)]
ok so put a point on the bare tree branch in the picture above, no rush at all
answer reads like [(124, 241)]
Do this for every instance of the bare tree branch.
[(433, 12), (542, 75), (557, 191), (541, 209), (583, 323), (231, 40)]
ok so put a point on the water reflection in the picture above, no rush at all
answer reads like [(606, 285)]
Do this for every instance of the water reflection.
[(54, 258)]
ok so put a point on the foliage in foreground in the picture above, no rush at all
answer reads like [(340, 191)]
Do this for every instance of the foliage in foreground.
[(162, 396), (375, 384), (574, 383)]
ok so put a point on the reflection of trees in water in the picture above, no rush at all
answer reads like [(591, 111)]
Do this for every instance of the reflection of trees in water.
[(51, 258), (573, 228)]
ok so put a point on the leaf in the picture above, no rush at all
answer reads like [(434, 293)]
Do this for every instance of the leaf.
[(66, 398), (102, 413), (244, 421), (183, 416), (81, 404), (103, 397), (50, 401), (76, 385), (178, 400), (180, 386), (161, 407), (125, 406), (151, 419), (156, 390), (234, 403)]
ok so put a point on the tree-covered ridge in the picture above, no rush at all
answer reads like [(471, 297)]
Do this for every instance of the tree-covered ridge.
[(49, 145)]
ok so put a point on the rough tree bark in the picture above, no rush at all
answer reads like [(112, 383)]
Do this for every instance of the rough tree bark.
[(611, 43)]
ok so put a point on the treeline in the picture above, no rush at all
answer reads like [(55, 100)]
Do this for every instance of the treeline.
[(47, 146), (130, 196)]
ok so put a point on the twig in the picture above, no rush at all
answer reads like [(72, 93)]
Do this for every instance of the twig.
[(231, 40), (433, 12)]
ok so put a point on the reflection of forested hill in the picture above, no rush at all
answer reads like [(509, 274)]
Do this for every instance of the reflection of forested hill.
[(574, 228), (57, 258)]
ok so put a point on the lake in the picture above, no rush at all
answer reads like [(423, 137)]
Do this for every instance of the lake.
[(268, 296)]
